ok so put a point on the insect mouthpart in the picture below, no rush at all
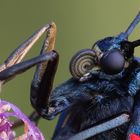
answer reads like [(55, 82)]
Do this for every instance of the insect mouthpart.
[(83, 62)]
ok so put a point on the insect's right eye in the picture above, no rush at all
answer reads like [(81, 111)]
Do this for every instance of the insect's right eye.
[(112, 62), (82, 62)]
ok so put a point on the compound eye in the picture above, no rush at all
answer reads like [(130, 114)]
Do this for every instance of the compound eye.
[(112, 62), (82, 62)]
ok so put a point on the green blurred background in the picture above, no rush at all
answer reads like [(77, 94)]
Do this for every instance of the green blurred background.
[(80, 23)]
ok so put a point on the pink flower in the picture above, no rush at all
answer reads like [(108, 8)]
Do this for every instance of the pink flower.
[(7, 110)]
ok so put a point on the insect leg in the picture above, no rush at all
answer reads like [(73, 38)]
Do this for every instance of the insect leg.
[(33, 117), (18, 54), (42, 85), (23, 66), (123, 118)]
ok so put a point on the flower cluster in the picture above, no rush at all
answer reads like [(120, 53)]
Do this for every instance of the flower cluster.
[(7, 110)]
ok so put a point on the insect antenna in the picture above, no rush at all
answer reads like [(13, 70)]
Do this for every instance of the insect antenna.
[(132, 25), (124, 35), (135, 43)]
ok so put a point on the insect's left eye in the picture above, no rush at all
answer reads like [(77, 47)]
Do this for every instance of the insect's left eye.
[(112, 62)]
